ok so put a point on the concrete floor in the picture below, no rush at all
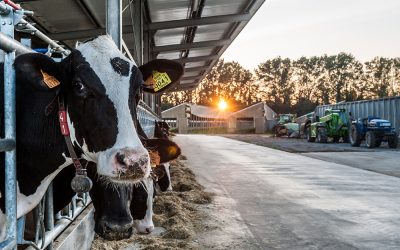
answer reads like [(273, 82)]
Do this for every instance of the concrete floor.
[(292, 201)]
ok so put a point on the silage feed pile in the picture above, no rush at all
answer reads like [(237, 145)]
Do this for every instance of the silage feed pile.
[(178, 212)]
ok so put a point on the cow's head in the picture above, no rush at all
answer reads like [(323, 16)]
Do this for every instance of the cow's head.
[(100, 87), (119, 208)]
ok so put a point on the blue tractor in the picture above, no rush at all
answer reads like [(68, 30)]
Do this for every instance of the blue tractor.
[(374, 131)]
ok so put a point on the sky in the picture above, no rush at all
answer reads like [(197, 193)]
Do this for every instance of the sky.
[(295, 28)]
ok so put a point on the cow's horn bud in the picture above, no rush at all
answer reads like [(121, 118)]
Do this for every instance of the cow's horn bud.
[(81, 184)]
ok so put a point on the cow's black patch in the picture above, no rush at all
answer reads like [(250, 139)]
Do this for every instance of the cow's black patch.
[(120, 66), (94, 117), (164, 181), (139, 203), (134, 92)]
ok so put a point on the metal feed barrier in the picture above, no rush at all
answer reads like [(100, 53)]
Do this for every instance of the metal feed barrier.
[(47, 225)]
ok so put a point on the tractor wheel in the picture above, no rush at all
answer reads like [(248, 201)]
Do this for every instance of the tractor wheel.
[(322, 136), (309, 137), (378, 142), (370, 139), (336, 139), (393, 141), (354, 136)]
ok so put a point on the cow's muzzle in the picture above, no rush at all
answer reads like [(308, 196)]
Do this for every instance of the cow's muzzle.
[(131, 164), (114, 230)]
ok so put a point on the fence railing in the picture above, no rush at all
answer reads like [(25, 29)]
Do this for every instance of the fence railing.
[(196, 123)]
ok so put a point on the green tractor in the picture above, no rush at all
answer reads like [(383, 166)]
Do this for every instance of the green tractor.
[(286, 126), (334, 124)]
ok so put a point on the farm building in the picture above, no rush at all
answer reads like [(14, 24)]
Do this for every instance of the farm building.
[(258, 117)]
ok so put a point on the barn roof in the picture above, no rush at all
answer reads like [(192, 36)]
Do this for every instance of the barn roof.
[(194, 32)]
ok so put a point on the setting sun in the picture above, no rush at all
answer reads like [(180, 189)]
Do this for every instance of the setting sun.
[(222, 105)]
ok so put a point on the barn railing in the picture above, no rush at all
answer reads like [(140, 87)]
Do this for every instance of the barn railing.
[(8, 142), (201, 124), (147, 118)]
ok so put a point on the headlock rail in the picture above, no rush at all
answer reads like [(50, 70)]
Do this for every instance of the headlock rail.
[(48, 224)]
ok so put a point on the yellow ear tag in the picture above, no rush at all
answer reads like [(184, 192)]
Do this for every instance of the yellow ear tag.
[(49, 80), (161, 80)]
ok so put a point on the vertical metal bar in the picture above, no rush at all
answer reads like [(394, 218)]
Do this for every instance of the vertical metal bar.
[(138, 15), (49, 216), (114, 21), (7, 27)]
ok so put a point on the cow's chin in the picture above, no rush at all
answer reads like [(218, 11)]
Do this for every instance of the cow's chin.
[(123, 180)]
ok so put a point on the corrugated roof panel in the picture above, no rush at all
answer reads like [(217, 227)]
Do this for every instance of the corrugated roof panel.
[(195, 64), (211, 32), (183, 82), (169, 55), (194, 73), (166, 10), (224, 7), (169, 36), (201, 52)]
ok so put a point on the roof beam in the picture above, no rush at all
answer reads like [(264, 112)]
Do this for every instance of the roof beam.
[(194, 69), (199, 21), (190, 78), (80, 34), (197, 59), (179, 47)]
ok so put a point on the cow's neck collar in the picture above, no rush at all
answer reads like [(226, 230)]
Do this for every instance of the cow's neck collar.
[(81, 183)]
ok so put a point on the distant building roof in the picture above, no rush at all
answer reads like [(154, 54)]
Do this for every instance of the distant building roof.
[(195, 109), (257, 110)]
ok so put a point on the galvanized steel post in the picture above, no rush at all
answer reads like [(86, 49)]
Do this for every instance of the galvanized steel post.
[(7, 28), (114, 21)]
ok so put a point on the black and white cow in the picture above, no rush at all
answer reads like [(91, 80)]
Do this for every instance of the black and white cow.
[(99, 86), (118, 208), (161, 131)]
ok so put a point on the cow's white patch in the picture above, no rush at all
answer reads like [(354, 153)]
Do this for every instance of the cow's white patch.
[(3, 224), (98, 53), (169, 176), (146, 225)]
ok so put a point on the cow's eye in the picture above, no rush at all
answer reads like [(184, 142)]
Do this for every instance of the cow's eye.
[(79, 88)]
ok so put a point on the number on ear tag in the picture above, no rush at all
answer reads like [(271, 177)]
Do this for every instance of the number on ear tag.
[(158, 80), (49, 80)]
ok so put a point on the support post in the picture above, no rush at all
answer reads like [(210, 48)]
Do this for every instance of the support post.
[(114, 21), (183, 124), (7, 28)]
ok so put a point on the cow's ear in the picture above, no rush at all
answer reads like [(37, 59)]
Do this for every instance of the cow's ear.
[(160, 74), (167, 150), (39, 70)]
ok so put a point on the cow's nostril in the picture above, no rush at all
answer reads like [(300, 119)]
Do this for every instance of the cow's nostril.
[(107, 229), (120, 158)]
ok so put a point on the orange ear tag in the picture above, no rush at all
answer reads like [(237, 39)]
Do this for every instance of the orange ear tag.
[(154, 158), (161, 80), (49, 80)]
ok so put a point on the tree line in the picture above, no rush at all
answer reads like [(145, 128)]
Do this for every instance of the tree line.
[(295, 86)]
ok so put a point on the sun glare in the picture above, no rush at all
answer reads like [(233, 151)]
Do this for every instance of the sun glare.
[(222, 105)]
